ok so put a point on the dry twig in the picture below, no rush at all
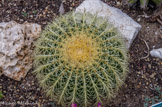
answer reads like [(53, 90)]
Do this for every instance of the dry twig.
[(147, 49)]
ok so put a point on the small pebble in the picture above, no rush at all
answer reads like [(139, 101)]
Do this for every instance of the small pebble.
[(149, 66), (139, 19), (156, 33), (118, 3), (38, 89)]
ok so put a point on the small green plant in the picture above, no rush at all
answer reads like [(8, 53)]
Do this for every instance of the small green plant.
[(24, 14), (152, 100), (1, 95), (81, 59), (144, 3), (35, 11)]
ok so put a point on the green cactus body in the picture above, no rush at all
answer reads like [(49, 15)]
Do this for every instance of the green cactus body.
[(80, 58), (144, 3), (132, 1), (157, 2)]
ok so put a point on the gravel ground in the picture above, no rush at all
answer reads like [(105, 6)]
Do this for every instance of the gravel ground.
[(142, 81)]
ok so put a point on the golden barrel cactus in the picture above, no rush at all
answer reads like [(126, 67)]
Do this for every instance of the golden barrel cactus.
[(80, 58)]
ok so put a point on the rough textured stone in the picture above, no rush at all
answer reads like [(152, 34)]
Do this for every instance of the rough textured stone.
[(156, 53), (126, 25), (16, 46)]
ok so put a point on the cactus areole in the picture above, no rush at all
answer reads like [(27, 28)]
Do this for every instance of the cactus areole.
[(81, 59)]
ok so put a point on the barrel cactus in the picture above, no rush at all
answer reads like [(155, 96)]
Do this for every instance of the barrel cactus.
[(144, 3), (80, 58)]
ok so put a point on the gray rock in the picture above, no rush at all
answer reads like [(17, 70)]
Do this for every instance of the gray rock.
[(126, 25), (156, 53), (16, 42)]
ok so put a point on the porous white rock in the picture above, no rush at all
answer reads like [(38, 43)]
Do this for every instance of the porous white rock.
[(126, 25), (156, 53), (16, 46)]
